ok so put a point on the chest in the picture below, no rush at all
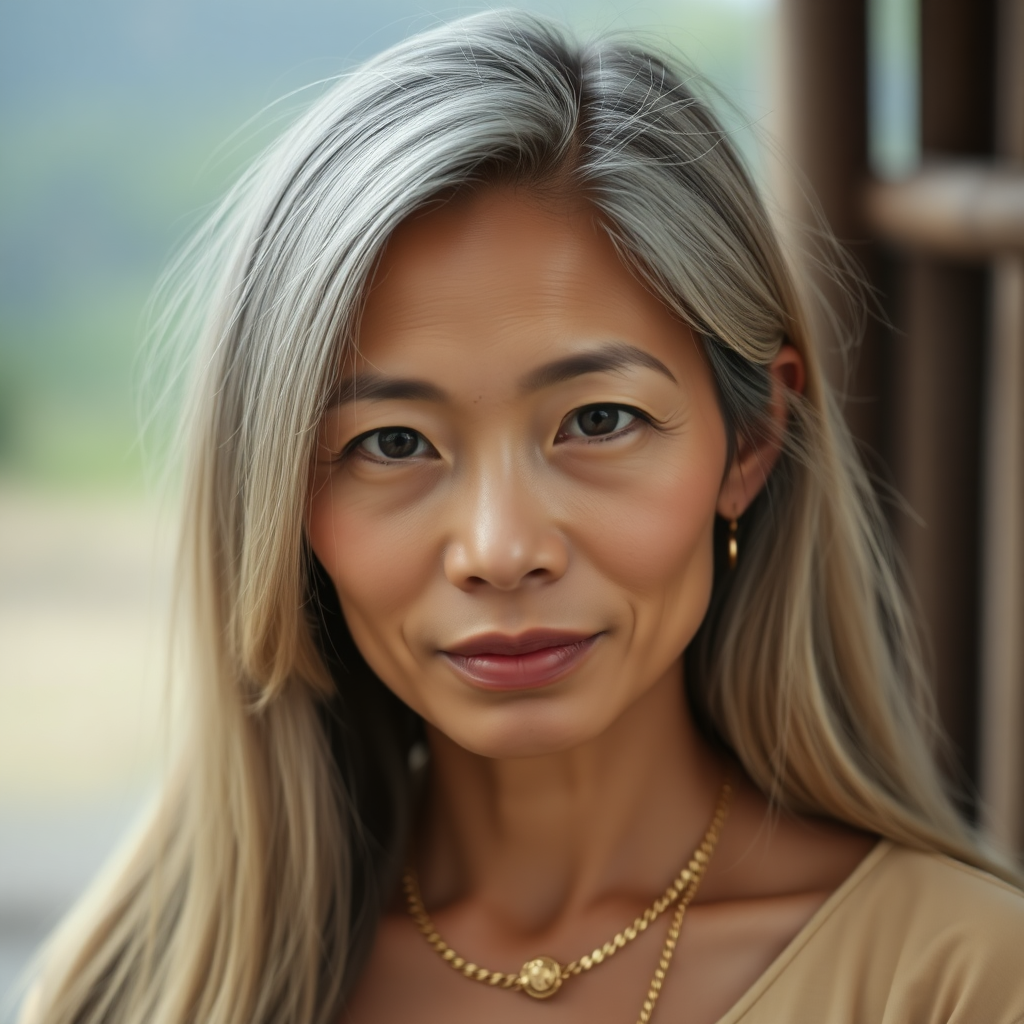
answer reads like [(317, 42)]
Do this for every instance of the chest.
[(721, 952)]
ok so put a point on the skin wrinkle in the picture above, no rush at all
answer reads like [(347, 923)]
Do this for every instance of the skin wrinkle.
[(606, 358), (398, 319), (545, 825)]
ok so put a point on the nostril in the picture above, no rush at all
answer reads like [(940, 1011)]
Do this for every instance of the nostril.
[(505, 562)]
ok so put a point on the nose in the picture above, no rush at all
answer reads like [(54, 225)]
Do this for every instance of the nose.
[(504, 537)]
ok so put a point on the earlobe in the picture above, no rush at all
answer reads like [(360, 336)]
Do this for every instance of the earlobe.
[(756, 457)]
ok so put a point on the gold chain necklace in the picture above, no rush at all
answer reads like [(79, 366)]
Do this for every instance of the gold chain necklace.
[(542, 977)]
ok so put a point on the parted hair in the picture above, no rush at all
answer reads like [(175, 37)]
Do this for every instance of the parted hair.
[(252, 895)]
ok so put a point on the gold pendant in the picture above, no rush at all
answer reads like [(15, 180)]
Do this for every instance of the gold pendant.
[(541, 977)]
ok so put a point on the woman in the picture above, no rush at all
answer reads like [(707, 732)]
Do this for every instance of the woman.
[(537, 591)]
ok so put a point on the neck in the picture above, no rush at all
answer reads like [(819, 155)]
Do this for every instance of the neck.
[(540, 838)]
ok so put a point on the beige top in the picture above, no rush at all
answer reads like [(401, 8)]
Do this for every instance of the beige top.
[(908, 938)]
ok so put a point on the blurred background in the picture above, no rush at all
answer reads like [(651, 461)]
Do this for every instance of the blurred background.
[(122, 120)]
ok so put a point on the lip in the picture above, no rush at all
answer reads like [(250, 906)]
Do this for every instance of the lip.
[(538, 657)]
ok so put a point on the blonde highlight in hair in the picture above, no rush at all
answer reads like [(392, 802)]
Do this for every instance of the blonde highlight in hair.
[(253, 895)]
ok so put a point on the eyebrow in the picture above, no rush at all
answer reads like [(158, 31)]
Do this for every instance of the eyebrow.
[(377, 387), (615, 355)]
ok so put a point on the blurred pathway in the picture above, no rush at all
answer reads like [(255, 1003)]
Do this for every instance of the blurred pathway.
[(83, 606)]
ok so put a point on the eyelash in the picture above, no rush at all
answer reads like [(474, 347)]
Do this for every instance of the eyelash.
[(356, 442), (639, 418)]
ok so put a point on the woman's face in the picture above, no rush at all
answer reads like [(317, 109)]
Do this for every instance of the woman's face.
[(515, 492)]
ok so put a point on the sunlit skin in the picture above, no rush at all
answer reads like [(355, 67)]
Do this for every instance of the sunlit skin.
[(530, 440)]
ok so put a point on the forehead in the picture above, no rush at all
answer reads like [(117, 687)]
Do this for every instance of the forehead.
[(500, 278)]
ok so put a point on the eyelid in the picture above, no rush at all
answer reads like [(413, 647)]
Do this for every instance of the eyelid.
[(638, 414), (351, 446), (358, 440)]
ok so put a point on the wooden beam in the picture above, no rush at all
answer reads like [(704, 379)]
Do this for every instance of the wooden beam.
[(964, 210)]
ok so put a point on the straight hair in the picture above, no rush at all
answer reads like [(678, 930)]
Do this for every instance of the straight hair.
[(253, 894)]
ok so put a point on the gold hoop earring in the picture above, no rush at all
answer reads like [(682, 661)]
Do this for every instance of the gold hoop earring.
[(734, 546)]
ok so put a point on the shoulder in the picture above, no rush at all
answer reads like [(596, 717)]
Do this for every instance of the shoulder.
[(908, 938), (939, 894), (943, 939)]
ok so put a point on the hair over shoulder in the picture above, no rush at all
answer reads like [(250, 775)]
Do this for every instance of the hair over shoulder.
[(253, 894)]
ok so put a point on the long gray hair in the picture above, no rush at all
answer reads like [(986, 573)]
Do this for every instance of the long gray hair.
[(253, 895)]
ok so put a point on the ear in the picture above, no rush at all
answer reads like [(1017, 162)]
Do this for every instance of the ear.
[(755, 458)]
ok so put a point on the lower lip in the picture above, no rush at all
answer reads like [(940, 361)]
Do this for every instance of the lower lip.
[(521, 671)]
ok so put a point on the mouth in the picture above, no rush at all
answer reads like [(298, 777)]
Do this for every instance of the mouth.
[(539, 657)]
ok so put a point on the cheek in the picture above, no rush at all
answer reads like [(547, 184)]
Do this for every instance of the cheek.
[(653, 539), (379, 560), (650, 539)]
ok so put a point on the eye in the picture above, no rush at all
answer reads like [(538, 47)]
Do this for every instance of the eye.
[(393, 444), (598, 422)]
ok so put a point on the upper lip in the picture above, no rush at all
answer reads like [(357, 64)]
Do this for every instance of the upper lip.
[(522, 643)]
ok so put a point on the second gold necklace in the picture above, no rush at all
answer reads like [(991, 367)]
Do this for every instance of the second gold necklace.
[(542, 976)]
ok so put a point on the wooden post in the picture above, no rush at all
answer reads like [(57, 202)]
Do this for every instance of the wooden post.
[(823, 106), (939, 354), (1002, 662), (937, 444), (823, 124)]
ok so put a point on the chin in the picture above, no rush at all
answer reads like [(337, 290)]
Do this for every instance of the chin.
[(522, 731)]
